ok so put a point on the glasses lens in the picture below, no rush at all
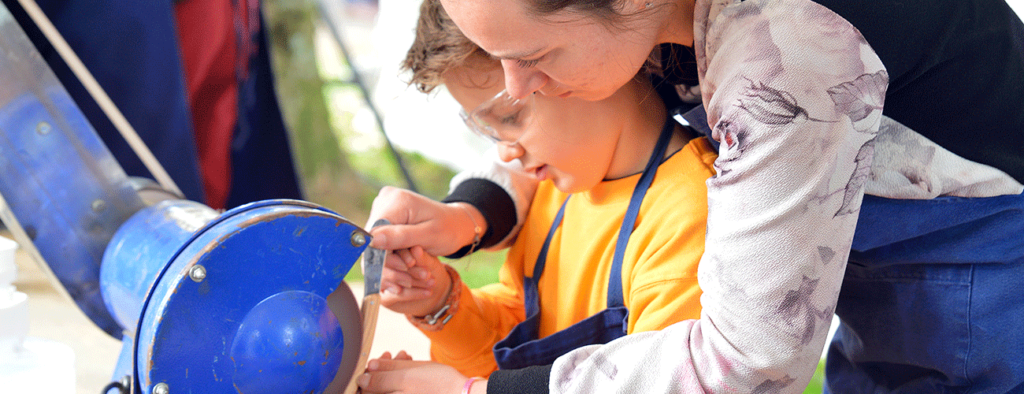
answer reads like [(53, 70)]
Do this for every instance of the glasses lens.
[(502, 118)]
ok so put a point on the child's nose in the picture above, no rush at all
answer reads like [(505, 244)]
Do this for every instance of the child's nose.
[(508, 151)]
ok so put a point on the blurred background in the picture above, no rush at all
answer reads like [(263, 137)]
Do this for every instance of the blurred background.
[(338, 81), (353, 126)]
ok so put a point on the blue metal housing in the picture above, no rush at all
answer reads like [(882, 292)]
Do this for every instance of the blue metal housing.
[(63, 186), (238, 305)]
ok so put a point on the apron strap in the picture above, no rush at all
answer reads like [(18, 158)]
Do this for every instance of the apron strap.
[(531, 283), (615, 297)]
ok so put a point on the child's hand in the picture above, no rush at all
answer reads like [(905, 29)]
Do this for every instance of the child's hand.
[(441, 229), (414, 282), (402, 375)]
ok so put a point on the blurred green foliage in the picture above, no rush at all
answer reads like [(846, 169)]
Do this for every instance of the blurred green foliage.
[(818, 380)]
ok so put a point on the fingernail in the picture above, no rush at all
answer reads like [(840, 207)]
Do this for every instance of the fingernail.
[(391, 290), (430, 283), (363, 380), (372, 366), (423, 275)]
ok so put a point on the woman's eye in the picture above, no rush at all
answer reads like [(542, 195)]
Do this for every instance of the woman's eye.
[(527, 63)]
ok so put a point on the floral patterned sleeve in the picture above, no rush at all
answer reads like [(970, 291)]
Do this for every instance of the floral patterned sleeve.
[(794, 95)]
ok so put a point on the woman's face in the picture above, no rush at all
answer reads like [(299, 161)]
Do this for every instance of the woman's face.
[(566, 54), (571, 142)]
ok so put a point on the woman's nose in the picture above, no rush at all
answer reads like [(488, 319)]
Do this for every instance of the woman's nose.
[(508, 151), (521, 82)]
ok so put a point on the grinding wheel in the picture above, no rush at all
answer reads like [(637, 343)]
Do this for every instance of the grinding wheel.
[(343, 303)]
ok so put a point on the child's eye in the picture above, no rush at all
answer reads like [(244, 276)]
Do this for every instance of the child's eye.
[(509, 119)]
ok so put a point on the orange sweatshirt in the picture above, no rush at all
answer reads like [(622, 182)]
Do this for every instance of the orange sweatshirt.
[(659, 272)]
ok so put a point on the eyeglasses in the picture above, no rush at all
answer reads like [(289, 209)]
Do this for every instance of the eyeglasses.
[(502, 118)]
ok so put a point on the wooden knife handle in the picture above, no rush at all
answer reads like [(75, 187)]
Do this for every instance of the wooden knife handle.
[(369, 309)]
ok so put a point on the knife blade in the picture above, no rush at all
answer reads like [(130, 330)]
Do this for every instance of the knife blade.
[(373, 265), (373, 268)]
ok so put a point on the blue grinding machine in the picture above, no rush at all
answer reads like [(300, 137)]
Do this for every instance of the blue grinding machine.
[(249, 301)]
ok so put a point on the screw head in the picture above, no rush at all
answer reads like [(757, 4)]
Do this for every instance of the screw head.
[(358, 238), (197, 273), (161, 388), (43, 128)]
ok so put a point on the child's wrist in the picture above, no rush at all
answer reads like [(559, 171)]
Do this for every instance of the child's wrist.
[(436, 319), (467, 388)]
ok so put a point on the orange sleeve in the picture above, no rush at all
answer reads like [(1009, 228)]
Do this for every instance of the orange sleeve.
[(485, 316)]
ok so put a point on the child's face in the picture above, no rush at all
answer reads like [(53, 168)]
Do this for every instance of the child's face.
[(572, 142)]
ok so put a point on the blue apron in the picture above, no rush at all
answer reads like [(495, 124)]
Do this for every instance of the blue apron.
[(933, 298), (522, 348)]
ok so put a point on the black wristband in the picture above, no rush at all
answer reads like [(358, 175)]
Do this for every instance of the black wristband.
[(494, 204), (529, 380)]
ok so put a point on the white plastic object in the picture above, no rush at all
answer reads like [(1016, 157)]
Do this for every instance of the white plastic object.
[(27, 364)]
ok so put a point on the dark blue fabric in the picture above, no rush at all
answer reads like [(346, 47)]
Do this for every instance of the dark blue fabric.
[(131, 48), (522, 348), (531, 296), (629, 221), (261, 160), (697, 120), (933, 298)]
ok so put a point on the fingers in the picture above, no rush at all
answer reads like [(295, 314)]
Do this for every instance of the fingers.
[(405, 258), (393, 294), (391, 203), (400, 273), (429, 233), (415, 220), (379, 365), (405, 376), (425, 260)]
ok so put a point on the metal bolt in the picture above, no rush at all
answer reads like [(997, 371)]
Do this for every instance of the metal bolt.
[(358, 238), (161, 388), (126, 381), (98, 205), (197, 273), (43, 128)]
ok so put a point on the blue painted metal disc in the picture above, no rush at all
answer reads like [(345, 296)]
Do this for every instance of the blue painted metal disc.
[(257, 321)]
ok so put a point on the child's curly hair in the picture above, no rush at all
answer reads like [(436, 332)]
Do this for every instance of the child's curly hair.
[(439, 47)]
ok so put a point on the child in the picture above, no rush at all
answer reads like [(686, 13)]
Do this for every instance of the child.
[(611, 243)]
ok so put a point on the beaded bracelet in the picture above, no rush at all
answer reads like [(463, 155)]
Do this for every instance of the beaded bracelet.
[(469, 384), (436, 321)]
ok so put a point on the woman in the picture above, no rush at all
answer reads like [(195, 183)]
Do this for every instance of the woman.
[(794, 93)]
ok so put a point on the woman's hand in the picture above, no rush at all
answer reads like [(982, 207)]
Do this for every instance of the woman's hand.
[(441, 229), (414, 282), (402, 375)]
